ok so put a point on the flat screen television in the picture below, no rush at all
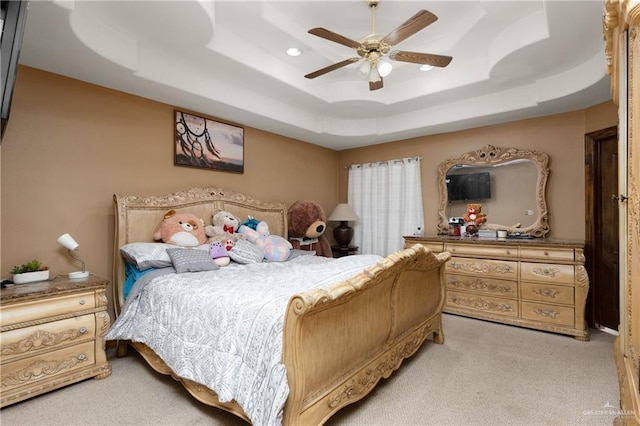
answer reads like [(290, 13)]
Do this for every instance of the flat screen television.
[(14, 18), (469, 187)]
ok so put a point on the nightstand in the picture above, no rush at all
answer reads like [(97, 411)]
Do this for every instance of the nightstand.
[(343, 251), (51, 335)]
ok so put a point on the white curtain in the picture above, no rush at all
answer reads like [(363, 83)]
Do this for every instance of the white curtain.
[(388, 198)]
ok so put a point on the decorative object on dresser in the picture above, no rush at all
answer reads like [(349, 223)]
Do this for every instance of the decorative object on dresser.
[(51, 335), (67, 241), (30, 272), (534, 283), (343, 233), (518, 181)]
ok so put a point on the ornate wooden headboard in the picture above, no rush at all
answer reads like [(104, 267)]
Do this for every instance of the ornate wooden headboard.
[(137, 218)]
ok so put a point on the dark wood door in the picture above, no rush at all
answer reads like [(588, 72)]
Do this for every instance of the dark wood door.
[(603, 305)]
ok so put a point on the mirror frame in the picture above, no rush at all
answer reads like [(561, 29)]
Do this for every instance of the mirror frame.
[(490, 155)]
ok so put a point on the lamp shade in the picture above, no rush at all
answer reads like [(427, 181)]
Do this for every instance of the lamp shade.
[(67, 241), (343, 212)]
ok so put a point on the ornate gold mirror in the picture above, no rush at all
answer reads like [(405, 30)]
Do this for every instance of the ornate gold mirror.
[(509, 183)]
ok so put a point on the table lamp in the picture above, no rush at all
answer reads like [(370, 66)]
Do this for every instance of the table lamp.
[(71, 245), (343, 234)]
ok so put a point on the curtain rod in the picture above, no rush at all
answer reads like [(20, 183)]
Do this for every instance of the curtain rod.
[(398, 160)]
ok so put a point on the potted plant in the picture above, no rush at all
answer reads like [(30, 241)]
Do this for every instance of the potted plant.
[(29, 272)]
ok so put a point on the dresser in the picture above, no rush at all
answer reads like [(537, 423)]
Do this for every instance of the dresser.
[(534, 283), (51, 335)]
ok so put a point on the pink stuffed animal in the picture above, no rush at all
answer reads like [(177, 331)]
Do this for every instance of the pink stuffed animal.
[(181, 229), (274, 247)]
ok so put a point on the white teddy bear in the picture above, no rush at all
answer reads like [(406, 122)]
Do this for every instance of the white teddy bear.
[(224, 228)]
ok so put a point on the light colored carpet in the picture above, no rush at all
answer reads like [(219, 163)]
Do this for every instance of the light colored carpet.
[(484, 374)]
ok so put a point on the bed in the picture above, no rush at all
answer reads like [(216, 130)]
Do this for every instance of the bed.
[(337, 338)]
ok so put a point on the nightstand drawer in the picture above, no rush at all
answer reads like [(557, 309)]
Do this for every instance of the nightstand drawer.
[(547, 293), (494, 305), (559, 315), (481, 267), (48, 365), (488, 286), (489, 251), (46, 308), (548, 254), (557, 274), (29, 341)]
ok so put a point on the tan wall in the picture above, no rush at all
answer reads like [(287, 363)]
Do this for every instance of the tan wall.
[(561, 136), (69, 146)]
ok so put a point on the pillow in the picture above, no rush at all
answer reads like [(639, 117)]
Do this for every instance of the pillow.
[(146, 255), (191, 260), (150, 255), (245, 252)]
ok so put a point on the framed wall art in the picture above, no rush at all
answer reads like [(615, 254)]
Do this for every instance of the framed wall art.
[(206, 143)]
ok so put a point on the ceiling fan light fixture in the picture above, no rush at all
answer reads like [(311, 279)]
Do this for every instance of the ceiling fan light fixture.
[(364, 68), (426, 67), (294, 51), (374, 75), (384, 67)]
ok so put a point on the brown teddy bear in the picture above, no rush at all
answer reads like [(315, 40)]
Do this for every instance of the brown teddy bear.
[(474, 214), (307, 224), (181, 229)]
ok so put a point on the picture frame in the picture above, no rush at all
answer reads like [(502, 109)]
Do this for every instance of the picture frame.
[(206, 143)]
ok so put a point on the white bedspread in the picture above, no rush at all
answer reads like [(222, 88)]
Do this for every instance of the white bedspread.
[(224, 328)]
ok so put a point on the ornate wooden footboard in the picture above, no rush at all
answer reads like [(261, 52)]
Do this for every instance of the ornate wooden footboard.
[(338, 342)]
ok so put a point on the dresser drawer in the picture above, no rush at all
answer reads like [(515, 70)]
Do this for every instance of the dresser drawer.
[(482, 285), (547, 254), (482, 267), (45, 308), (48, 365), (29, 341), (494, 305), (489, 251), (559, 315), (547, 293), (557, 274)]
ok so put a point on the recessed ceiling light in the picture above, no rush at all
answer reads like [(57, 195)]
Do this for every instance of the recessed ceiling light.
[(293, 51), (425, 67)]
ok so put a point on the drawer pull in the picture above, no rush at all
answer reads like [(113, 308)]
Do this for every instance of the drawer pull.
[(82, 301), (546, 313), (546, 292), (82, 330), (82, 357), (508, 251), (546, 253)]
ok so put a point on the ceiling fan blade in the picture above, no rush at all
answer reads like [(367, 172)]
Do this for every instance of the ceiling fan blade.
[(335, 37), (414, 24), (421, 58), (332, 68), (375, 85)]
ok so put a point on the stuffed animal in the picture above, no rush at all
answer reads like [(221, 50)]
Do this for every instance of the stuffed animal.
[(181, 229), (224, 229), (474, 214), (274, 247), (307, 224), (219, 253)]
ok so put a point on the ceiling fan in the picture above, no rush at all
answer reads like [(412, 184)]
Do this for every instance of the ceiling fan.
[(376, 50)]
